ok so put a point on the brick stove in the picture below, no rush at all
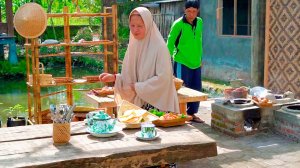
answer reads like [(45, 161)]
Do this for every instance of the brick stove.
[(241, 121), (287, 121)]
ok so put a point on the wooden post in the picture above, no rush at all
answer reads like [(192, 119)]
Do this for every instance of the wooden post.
[(109, 22), (105, 59), (258, 42), (68, 59), (115, 38), (9, 17), (267, 44)]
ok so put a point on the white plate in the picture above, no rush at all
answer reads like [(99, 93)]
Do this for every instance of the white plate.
[(109, 134), (79, 80), (138, 135)]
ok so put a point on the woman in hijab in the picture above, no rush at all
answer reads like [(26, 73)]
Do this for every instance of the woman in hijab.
[(146, 79)]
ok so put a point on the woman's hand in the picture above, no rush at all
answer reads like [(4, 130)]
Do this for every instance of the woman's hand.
[(107, 77)]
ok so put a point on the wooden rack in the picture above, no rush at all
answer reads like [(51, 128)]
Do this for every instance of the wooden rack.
[(110, 51)]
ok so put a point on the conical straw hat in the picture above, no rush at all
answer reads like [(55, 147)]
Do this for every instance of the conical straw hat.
[(30, 20)]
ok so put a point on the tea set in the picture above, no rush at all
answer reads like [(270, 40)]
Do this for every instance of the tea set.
[(100, 124)]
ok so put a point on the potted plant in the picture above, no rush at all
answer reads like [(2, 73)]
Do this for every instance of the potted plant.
[(14, 118)]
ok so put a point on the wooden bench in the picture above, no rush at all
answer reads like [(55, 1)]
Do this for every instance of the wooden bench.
[(32, 146), (185, 95)]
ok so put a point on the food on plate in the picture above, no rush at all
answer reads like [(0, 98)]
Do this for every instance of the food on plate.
[(172, 116), (103, 91), (262, 101), (136, 117), (157, 112)]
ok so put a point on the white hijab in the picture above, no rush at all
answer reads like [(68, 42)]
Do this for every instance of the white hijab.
[(147, 64)]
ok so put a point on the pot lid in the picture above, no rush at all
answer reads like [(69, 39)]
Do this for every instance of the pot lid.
[(101, 116)]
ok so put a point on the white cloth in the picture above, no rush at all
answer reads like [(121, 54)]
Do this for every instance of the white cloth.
[(147, 65)]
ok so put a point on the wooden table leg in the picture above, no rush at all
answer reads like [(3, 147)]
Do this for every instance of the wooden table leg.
[(182, 107), (110, 111)]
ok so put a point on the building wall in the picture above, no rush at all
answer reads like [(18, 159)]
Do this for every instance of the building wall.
[(283, 46), (224, 57)]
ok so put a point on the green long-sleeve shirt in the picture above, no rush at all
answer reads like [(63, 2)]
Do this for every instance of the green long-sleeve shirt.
[(185, 42)]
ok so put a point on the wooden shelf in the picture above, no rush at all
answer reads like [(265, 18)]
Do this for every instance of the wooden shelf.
[(67, 50)]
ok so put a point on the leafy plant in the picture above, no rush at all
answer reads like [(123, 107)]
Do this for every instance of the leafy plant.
[(15, 111)]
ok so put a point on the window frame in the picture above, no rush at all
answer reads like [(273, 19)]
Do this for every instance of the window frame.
[(219, 18)]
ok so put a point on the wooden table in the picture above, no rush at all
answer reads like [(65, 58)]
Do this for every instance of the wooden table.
[(32, 146), (185, 95)]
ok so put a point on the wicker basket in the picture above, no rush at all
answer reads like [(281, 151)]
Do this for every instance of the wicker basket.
[(178, 83), (45, 79), (61, 133)]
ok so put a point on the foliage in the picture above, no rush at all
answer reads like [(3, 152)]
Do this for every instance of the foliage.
[(15, 111), (8, 70)]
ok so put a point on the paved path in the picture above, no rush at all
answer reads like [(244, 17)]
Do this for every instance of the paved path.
[(263, 150)]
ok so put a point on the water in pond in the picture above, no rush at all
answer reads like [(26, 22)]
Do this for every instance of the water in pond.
[(14, 92)]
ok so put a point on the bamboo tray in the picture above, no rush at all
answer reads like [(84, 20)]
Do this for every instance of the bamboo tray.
[(172, 123)]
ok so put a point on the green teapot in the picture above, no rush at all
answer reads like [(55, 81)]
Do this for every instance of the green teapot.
[(101, 123)]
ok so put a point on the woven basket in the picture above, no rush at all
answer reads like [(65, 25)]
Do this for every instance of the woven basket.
[(128, 106), (178, 83), (45, 79), (61, 133), (30, 20)]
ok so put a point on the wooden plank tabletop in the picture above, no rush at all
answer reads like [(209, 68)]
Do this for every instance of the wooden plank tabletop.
[(36, 148), (190, 95), (184, 95)]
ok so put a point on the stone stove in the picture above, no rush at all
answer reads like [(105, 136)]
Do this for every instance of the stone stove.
[(243, 120), (287, 121)]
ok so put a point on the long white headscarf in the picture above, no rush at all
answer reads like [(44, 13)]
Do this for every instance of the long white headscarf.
[(147, 64)]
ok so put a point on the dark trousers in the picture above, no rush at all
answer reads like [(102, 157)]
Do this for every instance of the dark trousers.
[(192, 79)]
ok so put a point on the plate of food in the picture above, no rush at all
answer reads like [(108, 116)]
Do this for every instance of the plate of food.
[(132, 116), (172, 119), (103, 92)]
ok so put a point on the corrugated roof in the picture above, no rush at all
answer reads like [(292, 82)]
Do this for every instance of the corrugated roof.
[(150, 5), (167, 1)]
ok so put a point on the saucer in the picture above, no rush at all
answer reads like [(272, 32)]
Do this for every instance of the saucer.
[(107, 134), (139, 136)]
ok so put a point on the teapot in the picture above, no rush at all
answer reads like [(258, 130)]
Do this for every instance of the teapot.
[(101, 123)]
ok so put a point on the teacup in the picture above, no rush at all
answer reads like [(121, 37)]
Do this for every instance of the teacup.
[(148, 130)]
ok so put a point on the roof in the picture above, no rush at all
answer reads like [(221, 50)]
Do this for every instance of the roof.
[(155, 4), (150, 5), (168, 1)]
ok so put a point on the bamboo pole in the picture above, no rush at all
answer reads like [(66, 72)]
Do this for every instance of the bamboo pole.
[(105, 59), (115, 38), (27, 78), (68, 60)]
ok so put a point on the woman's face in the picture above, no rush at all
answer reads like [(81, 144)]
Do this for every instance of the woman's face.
[(137, 26)]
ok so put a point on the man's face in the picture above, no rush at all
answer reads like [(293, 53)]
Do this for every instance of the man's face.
[(191, 13)]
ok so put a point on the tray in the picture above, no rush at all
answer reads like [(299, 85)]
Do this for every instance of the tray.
[(102, 92), (172, 123)]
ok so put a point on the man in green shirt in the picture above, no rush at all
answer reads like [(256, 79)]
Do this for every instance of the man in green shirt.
[(185, 46)]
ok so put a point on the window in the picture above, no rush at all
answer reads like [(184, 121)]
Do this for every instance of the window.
[(234, 17)]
